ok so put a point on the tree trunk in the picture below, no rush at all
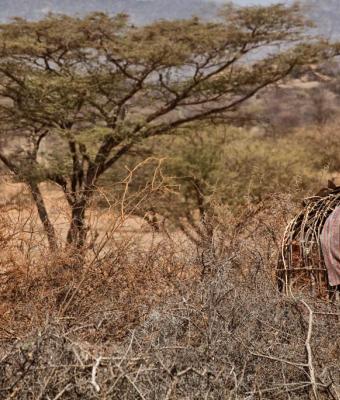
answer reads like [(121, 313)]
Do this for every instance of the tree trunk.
[(76, 235), (43, 215)]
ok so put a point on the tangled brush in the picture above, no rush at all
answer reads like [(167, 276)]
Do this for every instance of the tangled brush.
[(301, 263)]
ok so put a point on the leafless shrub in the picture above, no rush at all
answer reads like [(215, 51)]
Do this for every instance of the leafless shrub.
[(146, 324)]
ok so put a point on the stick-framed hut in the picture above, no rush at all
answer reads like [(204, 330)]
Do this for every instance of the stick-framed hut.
[(301, 264)]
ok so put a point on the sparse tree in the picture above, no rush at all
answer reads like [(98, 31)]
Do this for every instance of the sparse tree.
[(98, 86)]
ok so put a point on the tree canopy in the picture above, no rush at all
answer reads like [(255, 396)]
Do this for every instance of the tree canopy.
[(101, 85)]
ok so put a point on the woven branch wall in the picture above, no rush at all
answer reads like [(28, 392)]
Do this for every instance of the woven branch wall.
[(301, 265)]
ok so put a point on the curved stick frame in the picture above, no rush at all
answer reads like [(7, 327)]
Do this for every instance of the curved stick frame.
[(301, 263)]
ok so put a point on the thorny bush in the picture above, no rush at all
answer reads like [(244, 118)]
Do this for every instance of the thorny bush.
[(147, 323)]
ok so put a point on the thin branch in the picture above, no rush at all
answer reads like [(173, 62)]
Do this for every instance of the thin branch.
[(117, 156), (214, 111), (93, 375), (11, 166), (309, 351), (281, 360)]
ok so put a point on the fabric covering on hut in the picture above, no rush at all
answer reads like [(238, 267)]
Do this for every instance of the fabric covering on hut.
[(310, 257), (330, 245)]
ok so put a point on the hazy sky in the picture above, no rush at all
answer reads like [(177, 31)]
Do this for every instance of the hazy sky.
[(38, 8), (252, 1)]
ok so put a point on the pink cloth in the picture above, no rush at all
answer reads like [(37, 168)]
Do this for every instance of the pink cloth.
[(330, 245)]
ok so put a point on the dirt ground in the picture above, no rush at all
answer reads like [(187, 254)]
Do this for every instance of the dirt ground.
[(17, 208)]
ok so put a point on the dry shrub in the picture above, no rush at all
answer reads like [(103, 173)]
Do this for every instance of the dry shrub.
[(112, 292), (321, 143), (144, 324), (125, 270)]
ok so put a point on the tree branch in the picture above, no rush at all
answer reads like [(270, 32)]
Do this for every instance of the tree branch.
[(164, 128), (11, 166)]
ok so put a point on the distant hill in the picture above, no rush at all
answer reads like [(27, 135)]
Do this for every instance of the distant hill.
[(141, 11), (325, 13)]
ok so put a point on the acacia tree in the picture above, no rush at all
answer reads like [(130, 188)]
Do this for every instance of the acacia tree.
[(101, 86)]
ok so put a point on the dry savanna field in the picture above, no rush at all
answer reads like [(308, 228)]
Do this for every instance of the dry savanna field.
[(148, 175)]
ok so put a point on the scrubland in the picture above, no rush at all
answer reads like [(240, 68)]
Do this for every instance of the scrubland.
[(147, 177), (184, 308), (152, 315)]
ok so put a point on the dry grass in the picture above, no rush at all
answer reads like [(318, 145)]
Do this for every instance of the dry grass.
[(150, 319), (125, 274)]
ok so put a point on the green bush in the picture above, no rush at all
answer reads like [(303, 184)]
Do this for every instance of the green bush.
[(216, 164)]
